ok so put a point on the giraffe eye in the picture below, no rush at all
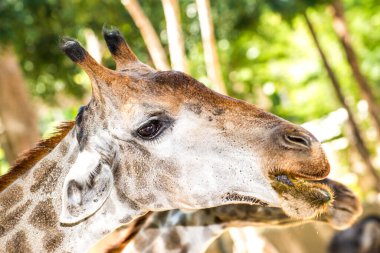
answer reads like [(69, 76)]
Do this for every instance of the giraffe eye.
[(154, 127), (150, 130)]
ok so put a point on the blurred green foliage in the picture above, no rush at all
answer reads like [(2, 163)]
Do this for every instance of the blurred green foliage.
[(263, 44), (3, 163)]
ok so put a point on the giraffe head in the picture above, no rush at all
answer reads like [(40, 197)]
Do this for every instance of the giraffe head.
[(163, 140)]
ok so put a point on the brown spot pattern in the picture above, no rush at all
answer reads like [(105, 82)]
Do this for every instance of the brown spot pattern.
[(44, 218), (165, 184), (159, 219), (172, 239), (63, 148), (18, 244), (46, 176), (217, 111), (72, 158), (195, 108), (43, 215), (11, 197), (146, 199), (52, 241), (168, 167), (125, 219), (185, 248), (138, 149), (139, 170), (142, 244), (9, 221)]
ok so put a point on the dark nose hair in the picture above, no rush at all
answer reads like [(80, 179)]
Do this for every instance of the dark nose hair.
[(296, 138)]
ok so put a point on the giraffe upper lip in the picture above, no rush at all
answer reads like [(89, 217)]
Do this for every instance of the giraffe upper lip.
[(287, 177), (294, 182), (290, 179)]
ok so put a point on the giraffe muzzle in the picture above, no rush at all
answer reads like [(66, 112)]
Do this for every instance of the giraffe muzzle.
[(323, 194)]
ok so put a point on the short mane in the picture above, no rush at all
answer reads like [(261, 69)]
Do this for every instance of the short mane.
[(29, 158)]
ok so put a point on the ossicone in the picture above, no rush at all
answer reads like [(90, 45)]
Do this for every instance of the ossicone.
[(73, 49), (98, 73), (121, 52)]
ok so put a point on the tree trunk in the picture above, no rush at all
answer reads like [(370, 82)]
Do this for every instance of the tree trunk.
[(340, 27), (19, 123), (151, 39), (357, 138), (175, 37), (209, 45)]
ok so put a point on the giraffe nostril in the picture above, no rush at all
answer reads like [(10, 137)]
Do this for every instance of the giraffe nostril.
[(297, 140)]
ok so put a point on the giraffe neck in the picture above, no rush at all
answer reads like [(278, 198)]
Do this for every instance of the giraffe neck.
[(30, 208), (178, 231)]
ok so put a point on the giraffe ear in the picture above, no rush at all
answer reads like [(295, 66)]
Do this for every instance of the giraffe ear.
[(86, 187)]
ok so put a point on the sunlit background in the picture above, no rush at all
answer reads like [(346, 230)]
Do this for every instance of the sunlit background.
[(266, 53)]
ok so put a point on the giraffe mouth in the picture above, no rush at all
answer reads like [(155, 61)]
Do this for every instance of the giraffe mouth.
[(302, 198), (292, 191), (282, 181)]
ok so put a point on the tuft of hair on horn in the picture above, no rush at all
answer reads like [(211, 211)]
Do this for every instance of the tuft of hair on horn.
[(73, 49), (121, 52)]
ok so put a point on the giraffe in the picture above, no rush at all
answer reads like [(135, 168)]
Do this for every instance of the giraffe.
[(363, 237), (152, 141), (192, 232)]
